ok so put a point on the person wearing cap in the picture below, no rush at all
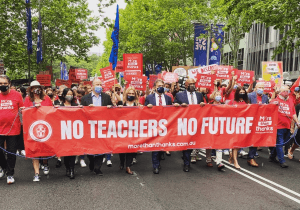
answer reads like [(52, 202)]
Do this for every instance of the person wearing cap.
[(256, 97), (36, 98), (10, 127), (189, 96)]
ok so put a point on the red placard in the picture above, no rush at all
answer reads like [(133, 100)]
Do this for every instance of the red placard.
[(206, 81), (88, 83), (44, 79), (119, 67), (138, 82), (81, 74), (223, 72), (152, 79), (108, 77), (60, 82), (268, 85), (72, 76), (98, 130), (133, 61), (244, 77), (169, 77), (128, 73)]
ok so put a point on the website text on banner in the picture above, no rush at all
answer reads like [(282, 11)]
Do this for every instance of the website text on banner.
[(96, 130)]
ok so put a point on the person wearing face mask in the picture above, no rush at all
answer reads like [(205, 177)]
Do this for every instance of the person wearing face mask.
[(93, 99), (130, 99), (59, 97), (168, 91), (37, 97), (10, 127), (49, 92), (189, 96), (68, 100), (256, 97), (240, 98), (157, 99), (286, 114)]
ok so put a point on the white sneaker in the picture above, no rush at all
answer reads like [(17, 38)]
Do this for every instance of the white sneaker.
[(134, 161), (76, 160), (36, 178), (17, 152), (23, 152), (226, 152), (42, 166), (109, 163), (46, 170), (243, 153), (10, 180), (82, 163), (104, 159), (2, 173)]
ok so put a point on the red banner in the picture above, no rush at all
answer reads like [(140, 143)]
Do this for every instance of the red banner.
[(81, 74), (139, 83), (152, 79), (96, 130), (88, 83), (169, 77), (44, 79), (223, 72), (132, 73), (206, 81), (72, 76), (133, 62), (60, 82), (108, 77), (245, 77)]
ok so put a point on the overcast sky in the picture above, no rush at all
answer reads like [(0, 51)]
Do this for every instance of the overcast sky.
[(110, 12)]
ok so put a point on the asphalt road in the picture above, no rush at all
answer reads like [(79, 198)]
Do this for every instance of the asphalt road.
[(266, 187)]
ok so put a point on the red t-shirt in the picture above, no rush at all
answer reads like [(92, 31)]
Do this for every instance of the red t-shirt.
[(230, 96), (223, 93), (9, 108), (46, 102), (259, 99), (142, 100), (286, 110), (233, 102), (169, 94)]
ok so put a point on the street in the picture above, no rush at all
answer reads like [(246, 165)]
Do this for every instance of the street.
[(266, 187)]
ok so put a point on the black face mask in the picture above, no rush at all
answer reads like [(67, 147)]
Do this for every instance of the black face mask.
[(130, 98), (191, 88), (4, 88), (242, 95), (50, 95), (61, 98)]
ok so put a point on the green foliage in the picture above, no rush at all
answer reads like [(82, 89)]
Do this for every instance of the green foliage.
[(68, 29)]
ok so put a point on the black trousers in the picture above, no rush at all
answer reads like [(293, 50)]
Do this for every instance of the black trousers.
[(20, 144), (10, 162), (69, 161), (128, 157), (96, 161)]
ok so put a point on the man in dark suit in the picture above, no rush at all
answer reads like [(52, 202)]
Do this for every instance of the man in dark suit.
[(97, 98), (189, 96), (157, 99)]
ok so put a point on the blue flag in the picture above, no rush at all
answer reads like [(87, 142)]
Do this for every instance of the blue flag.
[(115, 37), (61, 71), (39, 52), (66, 76), (29, 27)]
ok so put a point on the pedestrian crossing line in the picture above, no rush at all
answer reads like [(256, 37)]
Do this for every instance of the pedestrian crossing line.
[(262, 183)]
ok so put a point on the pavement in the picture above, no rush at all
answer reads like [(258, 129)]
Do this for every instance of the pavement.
[(266, 187)]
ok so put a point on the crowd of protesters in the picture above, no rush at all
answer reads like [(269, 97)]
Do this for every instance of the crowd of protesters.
[(13, 100)]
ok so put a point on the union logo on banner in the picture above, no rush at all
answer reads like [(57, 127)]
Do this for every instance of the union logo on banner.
[(40, 131)]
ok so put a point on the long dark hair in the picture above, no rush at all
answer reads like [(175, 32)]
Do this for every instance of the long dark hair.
[(23, 91), (31, 94), (237, 93), (65, 92)]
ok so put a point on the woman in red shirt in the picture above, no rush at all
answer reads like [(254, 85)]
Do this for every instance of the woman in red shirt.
[(240, 98), (37, 97)]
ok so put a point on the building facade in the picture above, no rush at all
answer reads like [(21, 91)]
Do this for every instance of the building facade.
[(257, 46)]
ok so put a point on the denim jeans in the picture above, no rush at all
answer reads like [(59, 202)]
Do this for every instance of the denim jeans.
[(282, 137)]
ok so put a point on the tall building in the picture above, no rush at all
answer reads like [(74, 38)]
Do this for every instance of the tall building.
[(258, 45)]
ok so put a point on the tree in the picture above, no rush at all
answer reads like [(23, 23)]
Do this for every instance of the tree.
[(68, 29)]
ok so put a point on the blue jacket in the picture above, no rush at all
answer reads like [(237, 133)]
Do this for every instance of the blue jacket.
[(150, 99), (182, 97), (253, 98)]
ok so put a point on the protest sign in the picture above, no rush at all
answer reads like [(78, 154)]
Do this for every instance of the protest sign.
[(206, 81), (192, 73), (60, 82), (273, 71), (244, 77), (138, 82), (81, 74), (132, 73), (152, 79), (97, 130), (169, 77), (133, 62), (223, 72), (44, 79)]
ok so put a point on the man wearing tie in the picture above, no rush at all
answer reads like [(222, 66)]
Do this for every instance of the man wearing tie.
[(189, 96), (157, 99)]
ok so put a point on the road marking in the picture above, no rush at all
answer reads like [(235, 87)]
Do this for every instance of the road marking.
[(142, 184), (262, 183)]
